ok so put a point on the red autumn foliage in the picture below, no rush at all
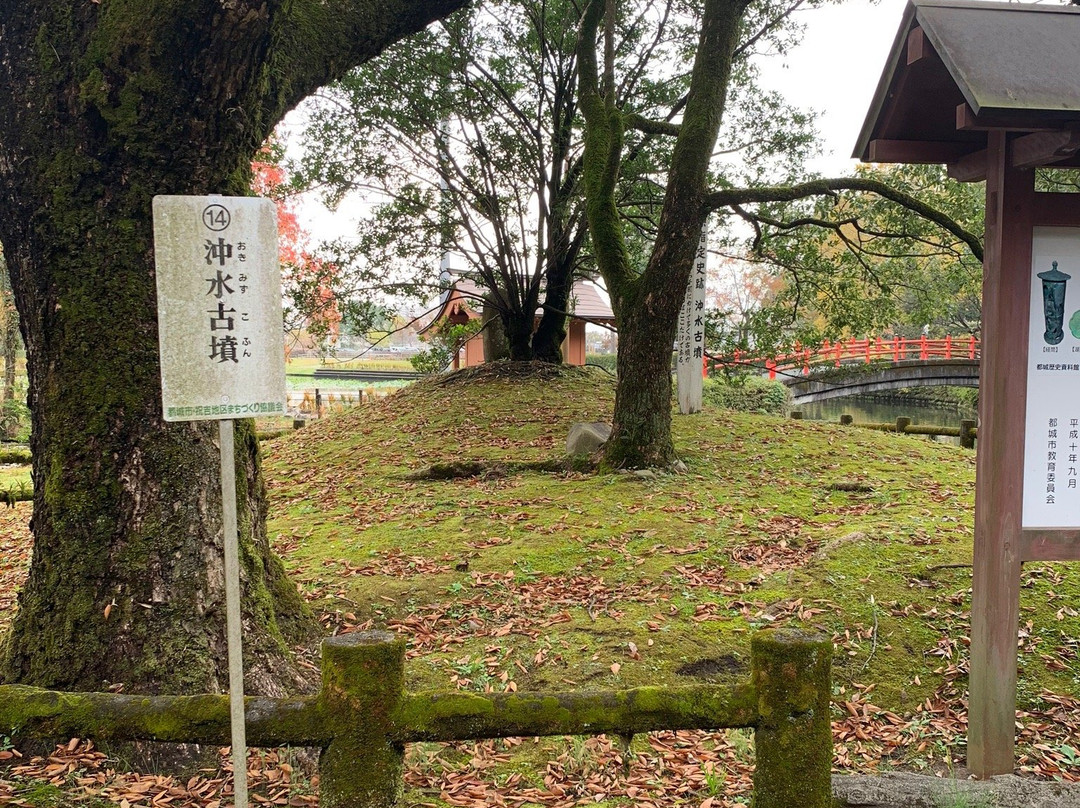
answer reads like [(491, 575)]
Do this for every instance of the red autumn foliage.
[(307, 279)]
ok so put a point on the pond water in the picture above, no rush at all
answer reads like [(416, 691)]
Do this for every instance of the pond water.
[(880, 411)]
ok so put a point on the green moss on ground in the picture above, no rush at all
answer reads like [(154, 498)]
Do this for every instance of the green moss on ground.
[(571, 568), (552, 580), (38, 794), (556, 580)]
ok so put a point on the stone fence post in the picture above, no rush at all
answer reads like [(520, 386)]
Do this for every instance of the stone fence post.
[(967, 433), (362, 717), (363, 682), (791, 671)]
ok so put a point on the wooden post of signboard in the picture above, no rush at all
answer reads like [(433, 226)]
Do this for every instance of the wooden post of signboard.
[(941, 100), (995, 602)]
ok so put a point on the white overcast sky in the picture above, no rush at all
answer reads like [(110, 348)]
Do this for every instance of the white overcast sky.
[(835, 71)]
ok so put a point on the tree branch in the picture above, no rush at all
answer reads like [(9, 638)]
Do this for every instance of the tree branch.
[(651, 127), (772, 24), (315, 42), (829, 187), (601, 158)]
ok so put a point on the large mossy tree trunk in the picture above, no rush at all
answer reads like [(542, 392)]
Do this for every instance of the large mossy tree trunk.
[(647, 305), (641, 429), (567, 228), (9, 410), (496, 346), (518, 329), (105, 105)]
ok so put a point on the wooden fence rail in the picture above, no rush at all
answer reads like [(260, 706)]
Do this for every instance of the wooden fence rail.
[(967, 432), (362, 717)]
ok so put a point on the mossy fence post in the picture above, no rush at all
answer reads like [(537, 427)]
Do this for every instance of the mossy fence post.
[(363, 682), (967, 433), (792, 673)]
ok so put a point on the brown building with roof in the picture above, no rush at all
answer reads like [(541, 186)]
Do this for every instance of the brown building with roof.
[(462, 302)]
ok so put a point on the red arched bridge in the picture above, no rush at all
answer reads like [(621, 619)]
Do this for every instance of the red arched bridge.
[(864, 366)]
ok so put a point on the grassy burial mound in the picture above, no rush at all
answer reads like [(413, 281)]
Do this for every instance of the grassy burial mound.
[(442, 513), (447, 513)]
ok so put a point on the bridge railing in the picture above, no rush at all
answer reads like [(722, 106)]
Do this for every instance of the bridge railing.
[(866, 350)]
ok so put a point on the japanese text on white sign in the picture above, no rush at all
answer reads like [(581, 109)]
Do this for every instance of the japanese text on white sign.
[(691, 335), (219, 307), (1052, 431)]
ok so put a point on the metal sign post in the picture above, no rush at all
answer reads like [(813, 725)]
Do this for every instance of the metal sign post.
[(222, 357), (233, 628)]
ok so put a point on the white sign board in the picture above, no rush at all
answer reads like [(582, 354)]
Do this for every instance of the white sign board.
[(219, 307), (691, 335), (1052, 430)]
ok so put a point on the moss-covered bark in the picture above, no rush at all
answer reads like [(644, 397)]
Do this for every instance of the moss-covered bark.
[(647, 305), (105, 105), (363, 678), (551, 331), (517, 325), (641, 428), (460, 716), (30, 712), (496, 346)]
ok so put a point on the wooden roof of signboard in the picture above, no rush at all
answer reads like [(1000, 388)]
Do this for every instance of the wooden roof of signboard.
[(959, 68)]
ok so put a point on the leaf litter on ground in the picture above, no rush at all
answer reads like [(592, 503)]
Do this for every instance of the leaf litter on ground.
[(552, 579)]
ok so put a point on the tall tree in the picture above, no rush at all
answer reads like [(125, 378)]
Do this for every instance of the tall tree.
[(311, 309), (474, 145), (646, 299), (106, 104), (469, 147), (738, 305)]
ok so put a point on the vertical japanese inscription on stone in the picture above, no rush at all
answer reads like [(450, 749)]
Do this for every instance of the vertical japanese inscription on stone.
[(691, 334), (219, 307)]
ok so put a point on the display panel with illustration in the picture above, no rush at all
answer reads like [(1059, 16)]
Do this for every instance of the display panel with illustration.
[(1052, 431)]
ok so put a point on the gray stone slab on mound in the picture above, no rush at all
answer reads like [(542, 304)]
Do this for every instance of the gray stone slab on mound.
[(586, 437), (904, 790)]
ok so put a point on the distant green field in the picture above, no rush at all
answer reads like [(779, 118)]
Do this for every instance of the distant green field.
[(308, 366), (14, 478)]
